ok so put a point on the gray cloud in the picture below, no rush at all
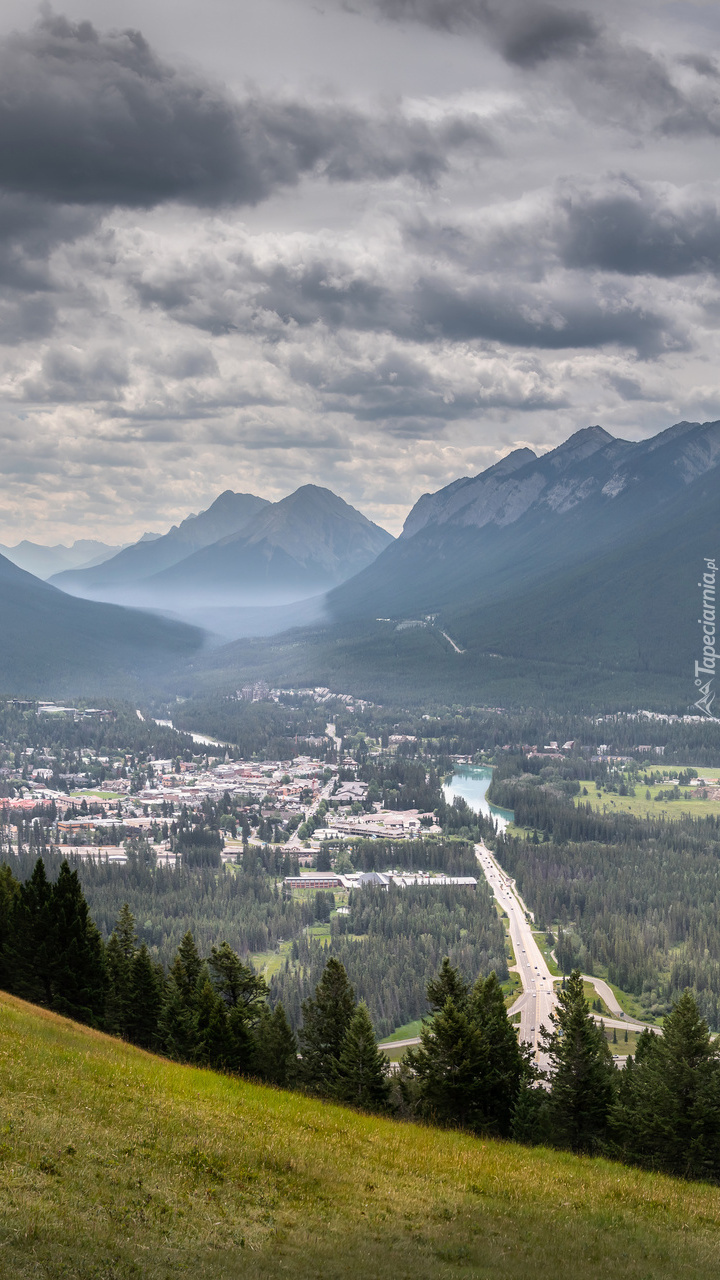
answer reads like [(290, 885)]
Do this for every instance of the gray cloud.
[(608, 78), (636, 230), (615, 225), (68, 375), (526, 33), (101, 119), (414, 304)]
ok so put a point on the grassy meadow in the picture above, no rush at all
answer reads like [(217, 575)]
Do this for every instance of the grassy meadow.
[(117, 1165), (642, 807)]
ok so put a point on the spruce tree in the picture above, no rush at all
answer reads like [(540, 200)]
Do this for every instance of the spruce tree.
[(326, 1018), (361, 1075), (119, 955), (9, 898), (78, 963), (236, 982), (668, 1111), (447, 985), (213, 1047), (145, 1001), (504, 1063), (186, 969), (177, 1026), (530, 1121), (581, 1071), (277, 1060), (448, 1067), (32, 941)]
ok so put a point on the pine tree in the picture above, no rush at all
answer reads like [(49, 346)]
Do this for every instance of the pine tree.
[(361, 1075), (236, 982), (668, 1111), (79, 977), (32, 946), (581, 1071), (177, 1027), (9, 898), (276, 1047), (186, 969), (145, 1001), (119, 956), (447, 985), (448, 1066), (326, 1018), (214, 1046), (504, 1063), (530, 1122)]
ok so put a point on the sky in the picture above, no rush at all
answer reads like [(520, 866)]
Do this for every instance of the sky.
[(372, 245)]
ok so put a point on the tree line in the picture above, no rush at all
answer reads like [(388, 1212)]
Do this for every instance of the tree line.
[(662, 1111)]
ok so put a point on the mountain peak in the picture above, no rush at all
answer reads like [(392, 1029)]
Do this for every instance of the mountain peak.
[(581, 444)]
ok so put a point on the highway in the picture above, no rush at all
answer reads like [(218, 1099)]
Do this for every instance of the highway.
[(538, 995), (538, 999)]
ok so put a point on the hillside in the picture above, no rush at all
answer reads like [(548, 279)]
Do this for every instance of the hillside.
[(118, 1164), (52, 643)]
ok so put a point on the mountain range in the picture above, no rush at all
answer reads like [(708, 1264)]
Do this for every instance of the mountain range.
[(569, 577), (242, 551), (43, 562), (485, 538)]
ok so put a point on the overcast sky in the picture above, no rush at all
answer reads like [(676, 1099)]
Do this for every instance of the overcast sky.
[(374, 245)]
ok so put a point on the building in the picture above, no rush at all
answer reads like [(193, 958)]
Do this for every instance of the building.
[(314, 880)]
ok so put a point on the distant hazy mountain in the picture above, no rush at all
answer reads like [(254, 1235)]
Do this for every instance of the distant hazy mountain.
[(569, 580), (52, 643), (295, 548), (43, 562), (116, 578), (482, 538)]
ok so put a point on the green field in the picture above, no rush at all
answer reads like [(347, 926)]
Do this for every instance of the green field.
[(117, 1165), (641, 807), (405, 1033)]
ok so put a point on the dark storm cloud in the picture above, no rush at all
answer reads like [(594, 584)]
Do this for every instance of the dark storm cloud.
[(100, 119), (526, 34), (548, 319)]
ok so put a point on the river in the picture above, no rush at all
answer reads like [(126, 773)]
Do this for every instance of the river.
[(471, 782)]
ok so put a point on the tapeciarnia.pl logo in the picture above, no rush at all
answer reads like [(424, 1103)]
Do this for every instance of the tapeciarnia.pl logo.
[(705, 670)]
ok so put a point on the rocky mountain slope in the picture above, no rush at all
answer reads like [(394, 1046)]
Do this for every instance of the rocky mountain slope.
[(294, 548)]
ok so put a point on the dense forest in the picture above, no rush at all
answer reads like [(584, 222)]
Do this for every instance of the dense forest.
[(639, 898), (392, 943), (390, 952)]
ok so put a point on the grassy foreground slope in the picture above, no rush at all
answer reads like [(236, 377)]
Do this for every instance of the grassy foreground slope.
[(116, 1164)]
